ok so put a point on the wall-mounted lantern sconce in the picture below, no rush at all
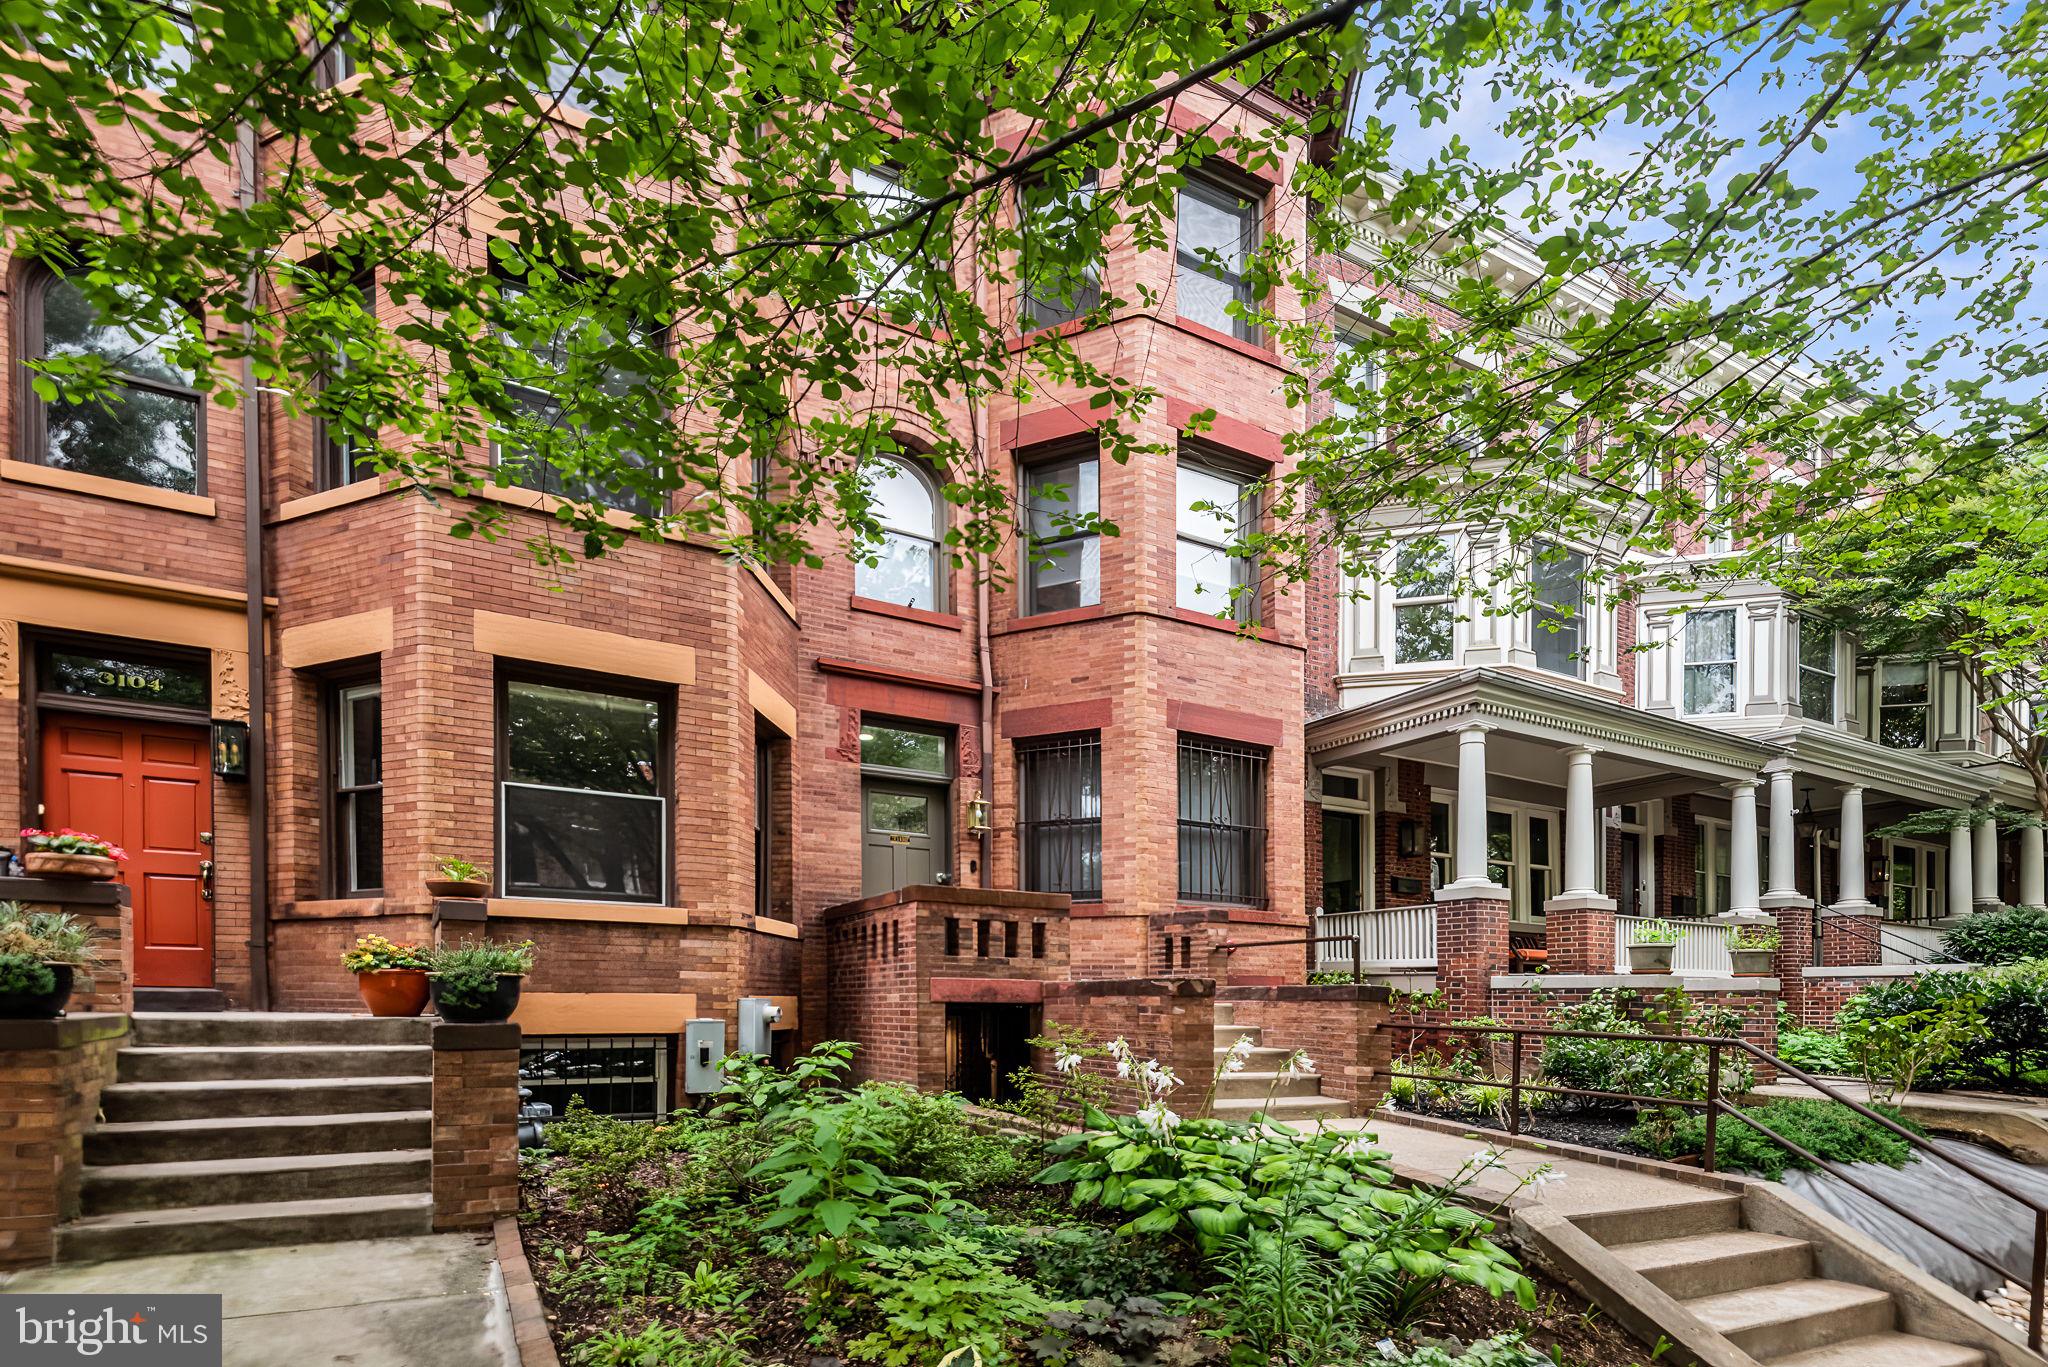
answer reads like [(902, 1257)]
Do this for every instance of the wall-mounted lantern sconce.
[(231, 749), (1408, 839), (977, 815)]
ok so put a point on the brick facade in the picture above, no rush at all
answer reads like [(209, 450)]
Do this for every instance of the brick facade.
[(1342, 1029), (1172, 1020), (51, 1073), (475, 1171), (1471, 947)]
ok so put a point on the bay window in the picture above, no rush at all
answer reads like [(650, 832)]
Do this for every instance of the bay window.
[(1222, 822), (1902, 703), (1424, 597), (1207, 573), (1062, 553), (583, 783), (1217, 230), (1816, 670), (1556, 620), (1055, 292), (1710, 662), (1059, 801)]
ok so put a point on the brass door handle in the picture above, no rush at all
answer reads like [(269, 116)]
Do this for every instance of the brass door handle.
[(206, 879)]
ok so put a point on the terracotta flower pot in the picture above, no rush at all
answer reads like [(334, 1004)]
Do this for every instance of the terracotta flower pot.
[(393, 991), (497, 1007), (39, 1006), (54, 864), (453, 887)]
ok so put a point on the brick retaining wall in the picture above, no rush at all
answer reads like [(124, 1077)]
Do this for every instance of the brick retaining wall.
[(476, 1124), (51, 1074)]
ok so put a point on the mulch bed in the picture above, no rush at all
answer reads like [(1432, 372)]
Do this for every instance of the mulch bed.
[(1594, 1129), (1580, 1333)]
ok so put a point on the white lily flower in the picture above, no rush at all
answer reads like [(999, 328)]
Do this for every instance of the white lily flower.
[(1066, 1061), (1298, 1064), (1158, 1120), (1483, 1159), (1545, 1177)]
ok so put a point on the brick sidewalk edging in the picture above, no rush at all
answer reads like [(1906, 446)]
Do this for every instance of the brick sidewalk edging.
[(529, 1318)]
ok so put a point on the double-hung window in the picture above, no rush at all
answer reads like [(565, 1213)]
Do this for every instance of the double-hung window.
[(1217, 231), (905, 503), (355, 743), (1358, 371), (1063, 553), (339, 456), (1051, 217), (584, 785), (1720, 535), (1902, 703), (1222, 822), (1816, 670), (1557, 618), (1059, 800), (557, 460), (1215, 512), (144, 426), (1425, 587), (1709, 685)]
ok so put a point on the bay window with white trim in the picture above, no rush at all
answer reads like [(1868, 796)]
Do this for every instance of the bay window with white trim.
[(1424, 592), (1710, 662), (1817, 670)]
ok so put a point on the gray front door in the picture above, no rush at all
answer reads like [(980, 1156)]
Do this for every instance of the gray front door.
[(903, 836)]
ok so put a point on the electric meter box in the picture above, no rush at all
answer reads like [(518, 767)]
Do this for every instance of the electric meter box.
[(703, 1047), (758, 1016)]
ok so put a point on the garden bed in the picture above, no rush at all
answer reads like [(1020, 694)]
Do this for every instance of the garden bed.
[(804, 1220)]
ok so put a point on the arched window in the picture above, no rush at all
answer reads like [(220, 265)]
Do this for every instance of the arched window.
[(905, 501), (145, 427)]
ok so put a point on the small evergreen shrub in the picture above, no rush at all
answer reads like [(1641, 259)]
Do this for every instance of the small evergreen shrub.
[(2004, 936), (1825, 1128)]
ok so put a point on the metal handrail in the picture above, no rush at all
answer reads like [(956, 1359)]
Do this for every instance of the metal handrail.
[(1716, 1105), (1357, 943), (1853, 926)]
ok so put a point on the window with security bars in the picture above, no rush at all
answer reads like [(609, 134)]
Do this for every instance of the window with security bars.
[(622, 1076), (1059, 828), (1222, 822)]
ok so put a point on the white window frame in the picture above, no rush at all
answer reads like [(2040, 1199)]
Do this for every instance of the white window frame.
[(1711, 835), (1734, 660), (1833, 673), (1719, 540), (1580, 616), (1878, 706), (1930, 861), (1395, 602), (932, 535), (1349, 334), (1520, 913)]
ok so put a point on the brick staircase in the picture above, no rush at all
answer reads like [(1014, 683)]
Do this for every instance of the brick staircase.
[(1759, 1290), (1260, 1088), (239, 1129)]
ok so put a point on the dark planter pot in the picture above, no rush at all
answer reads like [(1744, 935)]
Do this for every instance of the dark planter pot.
[(450, 887), (39, 1006), (498, 1007)]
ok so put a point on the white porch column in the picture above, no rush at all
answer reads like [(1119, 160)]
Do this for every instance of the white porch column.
[(1962, 883), (1985, 865), (1852, 896), (2033, 868), (1581, 825), (1783, 886), (1744, 894), (1468, 845)]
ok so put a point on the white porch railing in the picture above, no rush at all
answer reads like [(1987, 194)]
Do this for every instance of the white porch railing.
[(1702, 946), (1907, 942), (1391, 937)]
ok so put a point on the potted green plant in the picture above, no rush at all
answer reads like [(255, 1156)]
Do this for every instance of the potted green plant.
[(1751, 950), (40, 953), (477, 981), (70, 854), (1652, 946), (392, 977), (460, 878)]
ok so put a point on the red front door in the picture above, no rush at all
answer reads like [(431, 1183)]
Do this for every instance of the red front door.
[(148, 787)]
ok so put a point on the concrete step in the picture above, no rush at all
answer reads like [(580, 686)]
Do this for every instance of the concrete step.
[(1708, 1264), (1251, 1086), (176, 1141), (1282, 1108), (219, 1181), (198, 1063), (205, 1229), (1226, 1012), (200, 1028), (1705, 1213), (1227, 1035), (1266, 1060), (1885, 1350), (264, 1096), (1776, 1321)]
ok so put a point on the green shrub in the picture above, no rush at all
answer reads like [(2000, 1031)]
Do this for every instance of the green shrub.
[(939, 1297), (930, 1135), (1507, 1350), (1644, 1066), (661, 1345), (1825, 1128), (21, 975), (1990, 1025), (2004, 936), (468, 972), (1816, 1051), (1087, 1262)]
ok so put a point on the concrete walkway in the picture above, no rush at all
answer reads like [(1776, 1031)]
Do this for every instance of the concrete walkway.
[(432, 1298), (1586, 1188)]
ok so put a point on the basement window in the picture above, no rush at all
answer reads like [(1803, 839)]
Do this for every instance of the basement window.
[(622, 1076)]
